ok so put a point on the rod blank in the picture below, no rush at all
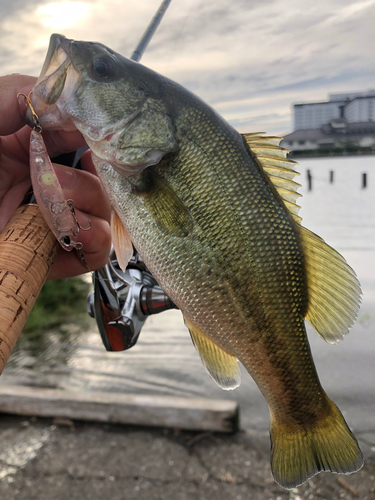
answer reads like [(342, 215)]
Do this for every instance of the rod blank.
[(149, 33)]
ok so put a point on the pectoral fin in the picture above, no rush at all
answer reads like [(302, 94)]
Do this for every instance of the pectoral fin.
[(121, 241), (222, 367), (167, 209)]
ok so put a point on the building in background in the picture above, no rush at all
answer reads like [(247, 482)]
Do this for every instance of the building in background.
[(355, 107), (344, 121), (360, 109)]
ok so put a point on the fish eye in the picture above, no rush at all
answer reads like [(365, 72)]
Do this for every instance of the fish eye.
[(103, 67)]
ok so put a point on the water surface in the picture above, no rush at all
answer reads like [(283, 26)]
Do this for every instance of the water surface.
[(165, 362)]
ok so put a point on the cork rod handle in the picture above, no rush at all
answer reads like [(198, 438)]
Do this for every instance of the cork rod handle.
[(27, 251)]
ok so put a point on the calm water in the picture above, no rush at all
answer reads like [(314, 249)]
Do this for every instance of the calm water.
[(164, 360)]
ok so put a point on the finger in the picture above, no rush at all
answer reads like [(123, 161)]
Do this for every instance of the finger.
[(12, 117), (85, 190), (96, 246), (11, 201), (87, 163), (59, 142), (12, 114)]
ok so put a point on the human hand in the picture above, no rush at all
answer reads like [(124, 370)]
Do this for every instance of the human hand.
[(82, 186)]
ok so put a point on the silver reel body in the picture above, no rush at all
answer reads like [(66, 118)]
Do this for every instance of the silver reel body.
[(122, 301)]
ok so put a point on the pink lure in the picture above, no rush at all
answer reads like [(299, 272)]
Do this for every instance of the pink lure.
[(50, 196)]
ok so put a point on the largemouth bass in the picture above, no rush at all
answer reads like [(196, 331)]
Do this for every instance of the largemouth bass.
[(213, 215)]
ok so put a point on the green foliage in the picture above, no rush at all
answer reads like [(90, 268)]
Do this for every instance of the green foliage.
[(349, 144), (57, 303)]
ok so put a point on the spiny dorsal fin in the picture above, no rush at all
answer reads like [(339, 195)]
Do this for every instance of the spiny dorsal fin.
[(280, 170), (334, 290), (221, 366)]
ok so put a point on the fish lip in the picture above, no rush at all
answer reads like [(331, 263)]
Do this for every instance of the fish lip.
[(51, 83), (55, 65), (56, 42)]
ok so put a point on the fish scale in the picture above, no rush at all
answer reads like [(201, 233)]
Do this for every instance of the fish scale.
[(253, 301), (213, 215), (227, 298)]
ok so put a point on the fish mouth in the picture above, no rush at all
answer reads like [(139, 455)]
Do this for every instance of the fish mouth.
[(57, 82), (52, 78)]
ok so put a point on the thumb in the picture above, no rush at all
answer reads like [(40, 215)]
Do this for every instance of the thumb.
[(12, 114)]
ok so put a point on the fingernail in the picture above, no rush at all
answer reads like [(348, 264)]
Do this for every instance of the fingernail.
[(67, 177)]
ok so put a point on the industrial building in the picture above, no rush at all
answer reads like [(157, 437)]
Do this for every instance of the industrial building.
[(345, 120)]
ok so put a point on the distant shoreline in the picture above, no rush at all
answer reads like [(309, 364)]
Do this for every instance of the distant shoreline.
[(331, 153)]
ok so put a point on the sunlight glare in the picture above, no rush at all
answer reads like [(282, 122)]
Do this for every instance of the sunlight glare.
[(62, 15)]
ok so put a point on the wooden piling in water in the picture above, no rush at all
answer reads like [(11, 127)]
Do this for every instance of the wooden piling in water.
[(309, 180), (364, 180)]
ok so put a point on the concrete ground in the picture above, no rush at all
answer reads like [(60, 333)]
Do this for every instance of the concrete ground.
[(41, 459)]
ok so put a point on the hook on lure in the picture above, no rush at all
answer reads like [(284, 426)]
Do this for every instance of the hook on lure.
[(71, 206), (34, 117), (58, 212)]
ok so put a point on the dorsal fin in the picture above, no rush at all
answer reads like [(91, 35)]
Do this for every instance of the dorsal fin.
[(334, 290), (280, 170), (222, 367)]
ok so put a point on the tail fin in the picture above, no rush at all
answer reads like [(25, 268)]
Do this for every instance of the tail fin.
[(300, 454)]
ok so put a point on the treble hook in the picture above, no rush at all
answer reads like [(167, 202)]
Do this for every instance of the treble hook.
[(71, 206), (35, 118)]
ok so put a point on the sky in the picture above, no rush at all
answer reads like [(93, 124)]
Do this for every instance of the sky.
[(249, 59)]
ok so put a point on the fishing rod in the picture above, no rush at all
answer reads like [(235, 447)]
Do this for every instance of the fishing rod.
[(150, 31), (28, 249)]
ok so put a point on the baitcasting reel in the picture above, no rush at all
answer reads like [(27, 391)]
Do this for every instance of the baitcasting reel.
[(122, 301)]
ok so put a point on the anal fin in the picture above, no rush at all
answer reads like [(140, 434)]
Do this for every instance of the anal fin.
[(222, 367)]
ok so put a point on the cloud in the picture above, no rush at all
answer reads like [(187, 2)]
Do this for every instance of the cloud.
[(264, 55)]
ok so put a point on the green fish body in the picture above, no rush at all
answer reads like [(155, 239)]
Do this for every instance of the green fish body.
[(213, 215)]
